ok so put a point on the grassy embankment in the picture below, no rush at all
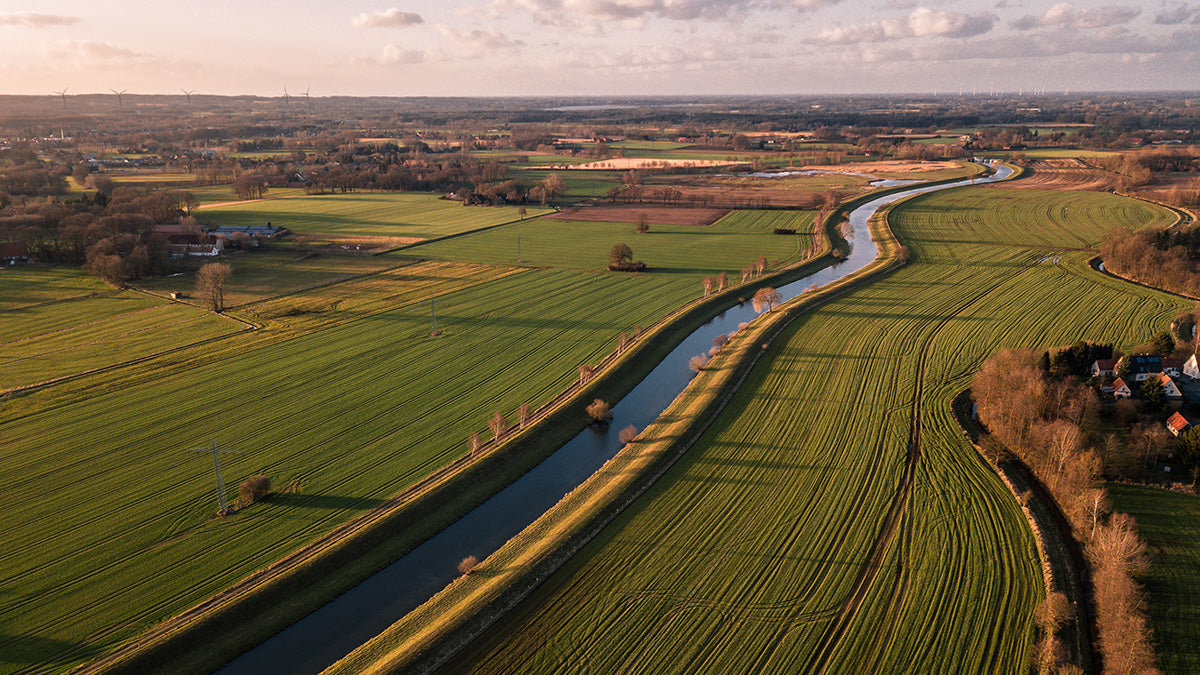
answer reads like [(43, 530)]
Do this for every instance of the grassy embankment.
[(342, 398), (800, 526)]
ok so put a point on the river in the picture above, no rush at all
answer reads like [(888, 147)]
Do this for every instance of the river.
[(334, 630)]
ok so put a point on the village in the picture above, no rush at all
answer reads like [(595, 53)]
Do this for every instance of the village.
[(1135, 376)]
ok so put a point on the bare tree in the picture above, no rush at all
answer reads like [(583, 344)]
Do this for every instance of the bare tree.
[(722, 281), (467, 564), (474, 442), (760, 265), (766, 297), (622, 342), (628, 434), (697, 362), (643, 224), (586, 373), (523, 415), (522, 212), (497, 424), (708, 284), (211, 280)]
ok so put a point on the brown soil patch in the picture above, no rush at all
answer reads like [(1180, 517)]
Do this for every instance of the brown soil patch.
[(623, 163), (898, 166), (1062, 174), (630, 214)]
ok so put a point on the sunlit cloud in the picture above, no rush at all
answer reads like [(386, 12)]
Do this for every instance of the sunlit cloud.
[(922, 22), (388, 18), (36, 20), (1067, 14)]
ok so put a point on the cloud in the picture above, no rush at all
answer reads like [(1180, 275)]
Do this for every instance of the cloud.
[(922, 22), (35, 20), (89, 50), (1066, 14), (388, 18), (479, 43), (565, 13), (1170, 16)]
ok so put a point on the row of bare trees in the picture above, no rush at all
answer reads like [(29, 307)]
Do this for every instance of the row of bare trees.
[(1136, 256), (1045, 424)]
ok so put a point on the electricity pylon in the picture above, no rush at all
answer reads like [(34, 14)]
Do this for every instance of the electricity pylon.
[(216, 457)]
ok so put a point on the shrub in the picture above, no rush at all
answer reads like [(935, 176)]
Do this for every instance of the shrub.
[(599, 411), (467, 564), (254, 489), (628, 434), (697, 362)]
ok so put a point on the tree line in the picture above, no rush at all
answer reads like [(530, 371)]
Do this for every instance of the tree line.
[(1050, 425), (1163, 259)]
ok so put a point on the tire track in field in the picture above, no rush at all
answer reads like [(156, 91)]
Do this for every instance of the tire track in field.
[(895, 520)]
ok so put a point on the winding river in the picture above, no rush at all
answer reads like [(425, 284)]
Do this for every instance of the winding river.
[(337, 628)]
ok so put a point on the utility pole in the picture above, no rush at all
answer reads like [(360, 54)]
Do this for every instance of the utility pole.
[(216, 457), (518, 248), (433, 315)]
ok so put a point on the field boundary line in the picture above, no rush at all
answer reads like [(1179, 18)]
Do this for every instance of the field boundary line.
[(434, 240), (1095, 262)]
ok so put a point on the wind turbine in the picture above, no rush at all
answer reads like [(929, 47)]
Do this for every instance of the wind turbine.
[(120, 94), (188, 94), (307, 101), (287, 100), (63, 94)]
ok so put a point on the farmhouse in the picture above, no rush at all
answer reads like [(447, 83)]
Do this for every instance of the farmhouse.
[(267, 231), (1168, 386), (1177, 424), (1172, 367), (1104, 367), (1121, 390)]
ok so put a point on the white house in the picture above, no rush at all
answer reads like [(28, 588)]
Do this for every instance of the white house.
[(1168, 386), (1177, 424), (1121, 390), (1104, 367)]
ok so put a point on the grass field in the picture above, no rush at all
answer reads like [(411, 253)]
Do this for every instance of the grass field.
[(49, 341), (25, 285), (730, 244), (261, 274), (833, 519), (342, 398), (359, 214), (1169, 522)]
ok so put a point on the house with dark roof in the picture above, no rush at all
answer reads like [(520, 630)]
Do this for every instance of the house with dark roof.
[(1141, 366)]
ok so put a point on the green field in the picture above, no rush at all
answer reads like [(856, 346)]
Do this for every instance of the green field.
[(729, 244), (366, 214), (261, 274), (342, 398), (44, 342), (1169, 523), (800, 533), (25, 285)]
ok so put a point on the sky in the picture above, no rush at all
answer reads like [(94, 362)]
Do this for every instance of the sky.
[(598, 47)]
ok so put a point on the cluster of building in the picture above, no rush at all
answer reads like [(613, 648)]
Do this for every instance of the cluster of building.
[(190, 241), (1122, 380)]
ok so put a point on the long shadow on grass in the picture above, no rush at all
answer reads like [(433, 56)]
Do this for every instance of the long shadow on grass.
[(31, 649), (333, 502)]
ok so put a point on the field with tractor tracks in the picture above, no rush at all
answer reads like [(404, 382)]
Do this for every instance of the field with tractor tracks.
[(833, 518)]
